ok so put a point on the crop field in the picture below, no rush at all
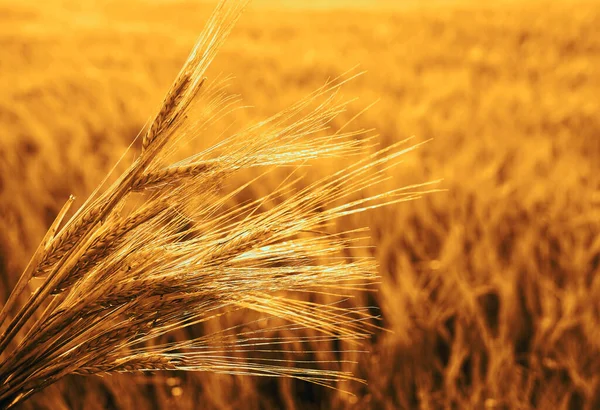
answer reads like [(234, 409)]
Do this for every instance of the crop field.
[(489, 290)]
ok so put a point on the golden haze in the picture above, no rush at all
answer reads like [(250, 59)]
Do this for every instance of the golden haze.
[(490, 289)]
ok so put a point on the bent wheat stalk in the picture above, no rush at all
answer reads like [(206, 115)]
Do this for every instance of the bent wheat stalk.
[(123, 271)]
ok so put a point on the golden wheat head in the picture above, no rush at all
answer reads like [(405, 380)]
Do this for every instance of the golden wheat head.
[(163, 247)]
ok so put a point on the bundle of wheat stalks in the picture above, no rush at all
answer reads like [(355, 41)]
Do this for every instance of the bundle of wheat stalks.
[(162, 247)]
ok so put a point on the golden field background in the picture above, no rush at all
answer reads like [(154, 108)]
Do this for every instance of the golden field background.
[(491, 289)]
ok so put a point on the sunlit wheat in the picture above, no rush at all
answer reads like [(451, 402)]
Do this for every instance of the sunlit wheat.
[(164, 248)]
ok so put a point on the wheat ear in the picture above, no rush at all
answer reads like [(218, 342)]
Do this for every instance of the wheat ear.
[(124, 271)]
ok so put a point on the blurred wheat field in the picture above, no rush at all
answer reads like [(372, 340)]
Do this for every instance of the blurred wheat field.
[(490, 289)]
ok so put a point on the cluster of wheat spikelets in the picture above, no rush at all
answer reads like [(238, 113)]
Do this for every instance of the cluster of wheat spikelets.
[(161, 248)]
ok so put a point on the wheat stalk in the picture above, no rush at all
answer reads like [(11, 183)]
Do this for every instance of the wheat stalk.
[(121, 273)]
